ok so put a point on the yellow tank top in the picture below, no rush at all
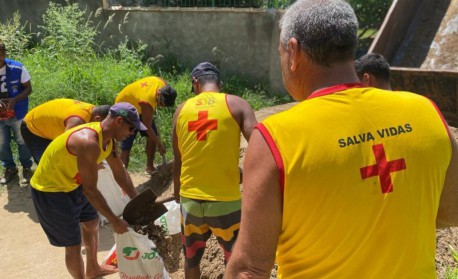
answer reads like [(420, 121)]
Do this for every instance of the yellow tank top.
[(58, 170), (362, 172), (141, 91), (48, 120), (208, 140)]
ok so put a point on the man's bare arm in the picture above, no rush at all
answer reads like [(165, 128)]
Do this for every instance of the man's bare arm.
[(254, 252), (447, 215), (21, 96), (84, 144), (243, 114), (176, 171)]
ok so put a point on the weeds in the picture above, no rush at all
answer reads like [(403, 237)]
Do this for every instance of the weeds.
[(452, 273), (15, 36), (66, 63), (66, 31)]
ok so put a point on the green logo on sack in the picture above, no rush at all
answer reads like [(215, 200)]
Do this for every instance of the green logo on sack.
[(150, 256), (130, 253)]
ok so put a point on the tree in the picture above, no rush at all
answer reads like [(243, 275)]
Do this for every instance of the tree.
[(371, 14)]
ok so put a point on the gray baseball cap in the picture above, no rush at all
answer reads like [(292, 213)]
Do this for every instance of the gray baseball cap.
[(129, 113)]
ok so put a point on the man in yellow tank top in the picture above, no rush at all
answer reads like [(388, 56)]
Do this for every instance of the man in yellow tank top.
[(47, 121), (64, 187), (146, 95), (206, 142), (352, 181)]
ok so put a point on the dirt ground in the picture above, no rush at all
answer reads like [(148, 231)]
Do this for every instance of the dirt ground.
[(26, 253)]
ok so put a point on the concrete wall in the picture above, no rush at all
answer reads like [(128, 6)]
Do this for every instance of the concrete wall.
[(240, 41), (394, 28), (406, 40), (439, 86)]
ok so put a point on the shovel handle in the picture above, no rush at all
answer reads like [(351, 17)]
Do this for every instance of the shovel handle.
[(165, 199)]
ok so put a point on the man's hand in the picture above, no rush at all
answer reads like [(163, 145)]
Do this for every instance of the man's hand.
[(3, 105), (11, 103), (120, 226)]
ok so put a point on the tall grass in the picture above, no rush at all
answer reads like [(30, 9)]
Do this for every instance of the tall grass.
[(65, 62)]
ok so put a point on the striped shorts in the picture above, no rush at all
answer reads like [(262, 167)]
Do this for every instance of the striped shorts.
[(199, 219)]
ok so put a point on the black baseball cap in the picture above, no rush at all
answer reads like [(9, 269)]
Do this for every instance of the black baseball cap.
[(203, 69)]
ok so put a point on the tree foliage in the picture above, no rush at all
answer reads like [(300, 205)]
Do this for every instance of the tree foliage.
[(371, 14)]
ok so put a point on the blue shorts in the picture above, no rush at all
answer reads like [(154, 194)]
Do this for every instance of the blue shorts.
[(60, 215), (128, 142)]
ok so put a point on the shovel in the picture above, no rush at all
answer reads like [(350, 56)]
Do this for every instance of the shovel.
[(160, 167), (144, 208), (162, 178)]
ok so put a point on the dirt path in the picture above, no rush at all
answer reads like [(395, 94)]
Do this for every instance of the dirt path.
[(24, 248)]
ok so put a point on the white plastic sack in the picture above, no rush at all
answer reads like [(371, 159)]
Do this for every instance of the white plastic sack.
[(138, 257), (113, 194), (170, 221)]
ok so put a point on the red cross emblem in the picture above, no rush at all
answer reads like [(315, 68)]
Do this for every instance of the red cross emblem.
[(202, 125), (144, 84), (383, 168)]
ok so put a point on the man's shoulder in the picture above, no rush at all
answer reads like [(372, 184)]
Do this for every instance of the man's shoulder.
[(85, 132), (84, 139), (234, 98)]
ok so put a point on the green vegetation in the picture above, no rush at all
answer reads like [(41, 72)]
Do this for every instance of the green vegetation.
[(371, 14), (65, 62), (452, 273)]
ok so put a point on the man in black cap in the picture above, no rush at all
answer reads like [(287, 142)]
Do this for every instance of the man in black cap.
[(206, 142), (64, 187)]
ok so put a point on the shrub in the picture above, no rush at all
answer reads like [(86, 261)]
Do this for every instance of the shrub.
[(15, 36), (66, 30)]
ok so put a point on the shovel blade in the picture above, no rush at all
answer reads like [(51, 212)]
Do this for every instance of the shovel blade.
[(142, 209)]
